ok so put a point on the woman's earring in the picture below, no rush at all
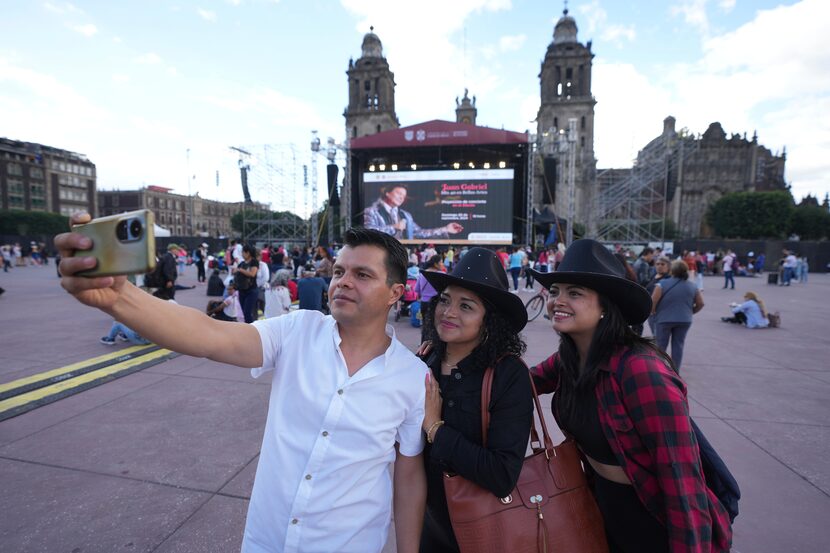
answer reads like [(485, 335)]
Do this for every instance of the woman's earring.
[(602, 315), (486, 336)]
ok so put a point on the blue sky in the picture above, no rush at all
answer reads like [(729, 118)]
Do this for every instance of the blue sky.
[(135, 85)]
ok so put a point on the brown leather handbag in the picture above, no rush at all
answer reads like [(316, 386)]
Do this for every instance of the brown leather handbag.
[(551, 509)]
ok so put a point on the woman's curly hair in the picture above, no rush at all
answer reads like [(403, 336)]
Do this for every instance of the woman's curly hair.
[(498, 337)]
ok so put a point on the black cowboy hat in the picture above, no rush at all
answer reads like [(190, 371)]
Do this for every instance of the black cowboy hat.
[(481, 271), (590, 264)]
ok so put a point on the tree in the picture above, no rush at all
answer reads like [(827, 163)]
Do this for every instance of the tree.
[(32, 223), (810, 222), (752, 215)]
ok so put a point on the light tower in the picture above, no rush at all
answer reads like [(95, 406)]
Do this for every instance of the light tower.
[(315, 148)]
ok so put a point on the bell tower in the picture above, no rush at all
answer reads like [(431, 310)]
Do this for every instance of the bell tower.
[(371, 91), (565, 82)]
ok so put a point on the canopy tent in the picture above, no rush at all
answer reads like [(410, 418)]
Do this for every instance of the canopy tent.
[(160, 231)]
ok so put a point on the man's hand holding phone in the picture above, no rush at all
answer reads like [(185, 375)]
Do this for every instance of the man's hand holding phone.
[(100, 292)]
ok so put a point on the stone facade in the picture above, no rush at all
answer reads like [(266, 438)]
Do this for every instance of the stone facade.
[(565, 95), (34, 177), (465, 110), (709, 166), (176, 212), (371, 92)]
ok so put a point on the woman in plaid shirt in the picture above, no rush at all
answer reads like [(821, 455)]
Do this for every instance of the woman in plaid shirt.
[(618, 397)]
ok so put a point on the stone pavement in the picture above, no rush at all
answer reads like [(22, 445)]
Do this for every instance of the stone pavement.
[(163, 459)]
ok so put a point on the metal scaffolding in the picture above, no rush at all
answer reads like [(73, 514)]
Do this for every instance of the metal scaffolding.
[(630, 204), (274, 176)]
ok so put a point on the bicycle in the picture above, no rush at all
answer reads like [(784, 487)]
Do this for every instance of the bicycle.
[(536, 305)]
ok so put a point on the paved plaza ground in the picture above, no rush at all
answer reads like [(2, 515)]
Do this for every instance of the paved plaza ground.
[(163, 459)]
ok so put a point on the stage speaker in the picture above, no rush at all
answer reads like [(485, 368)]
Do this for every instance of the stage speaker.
[(549, 194)]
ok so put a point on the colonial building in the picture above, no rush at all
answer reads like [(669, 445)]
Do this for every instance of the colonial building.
[(565, 123), (181, 215), (465, 110), (371, 91), (712, 166), (34, 177)]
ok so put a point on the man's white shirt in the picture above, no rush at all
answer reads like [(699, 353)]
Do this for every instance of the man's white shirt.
[(323, 482)]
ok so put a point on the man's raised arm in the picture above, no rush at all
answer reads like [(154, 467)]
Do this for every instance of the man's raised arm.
[(172, 326)]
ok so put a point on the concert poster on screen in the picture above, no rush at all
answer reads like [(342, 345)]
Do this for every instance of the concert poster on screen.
[(473, 206)]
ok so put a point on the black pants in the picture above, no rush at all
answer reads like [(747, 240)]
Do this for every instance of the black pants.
[(630, 528), (200, 267)]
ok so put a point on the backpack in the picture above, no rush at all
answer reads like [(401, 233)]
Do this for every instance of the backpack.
[(715, 472)]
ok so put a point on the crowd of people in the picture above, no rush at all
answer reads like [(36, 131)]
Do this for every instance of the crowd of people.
[(369, 404)]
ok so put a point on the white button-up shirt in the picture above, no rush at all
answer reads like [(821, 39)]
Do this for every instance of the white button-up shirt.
[(324, 483)]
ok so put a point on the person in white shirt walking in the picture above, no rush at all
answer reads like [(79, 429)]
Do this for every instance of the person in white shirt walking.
[(323, 481)]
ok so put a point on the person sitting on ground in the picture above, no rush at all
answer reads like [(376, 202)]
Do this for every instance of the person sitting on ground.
[(277, 296), (215, 285), (752, 312), (125, 333), (228, 309)]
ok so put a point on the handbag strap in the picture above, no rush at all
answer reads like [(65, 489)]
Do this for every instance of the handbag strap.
[(486, 394)]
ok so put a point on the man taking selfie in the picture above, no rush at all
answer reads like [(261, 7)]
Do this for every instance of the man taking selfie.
[(323, 481)]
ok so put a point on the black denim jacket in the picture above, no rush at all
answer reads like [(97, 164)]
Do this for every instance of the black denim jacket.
[(457, 444)]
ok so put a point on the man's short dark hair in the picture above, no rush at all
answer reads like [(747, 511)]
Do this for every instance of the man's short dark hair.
[(647, 250), (396, 257)]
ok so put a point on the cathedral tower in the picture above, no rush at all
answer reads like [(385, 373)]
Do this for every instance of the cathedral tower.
[(371, 91), (565, 95)]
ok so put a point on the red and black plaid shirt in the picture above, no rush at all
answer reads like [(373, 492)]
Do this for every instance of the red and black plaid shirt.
[(645, 416)]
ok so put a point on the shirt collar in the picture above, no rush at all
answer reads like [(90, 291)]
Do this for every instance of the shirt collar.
[(389, 331)]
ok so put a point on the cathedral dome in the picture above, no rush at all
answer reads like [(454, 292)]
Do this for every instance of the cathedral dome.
[(565, 30), (372, 48)]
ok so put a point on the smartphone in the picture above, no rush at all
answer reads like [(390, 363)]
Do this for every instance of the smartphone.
[(124, 244)]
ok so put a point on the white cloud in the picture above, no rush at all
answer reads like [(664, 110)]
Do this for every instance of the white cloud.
[(172, 71), (87, 30), (116, 39), (120, 78), (694, 13), (61, 8), (726, 6), (510, 43), (149, 58), (596, 24), (207, 15)]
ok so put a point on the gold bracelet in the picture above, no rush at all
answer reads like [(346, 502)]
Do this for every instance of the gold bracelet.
[(435, 426)]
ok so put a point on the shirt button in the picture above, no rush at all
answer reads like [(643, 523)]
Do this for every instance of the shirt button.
[(308, 477), (458, 376), (451, 403), (294, 521), (340, 391), (325, 433)]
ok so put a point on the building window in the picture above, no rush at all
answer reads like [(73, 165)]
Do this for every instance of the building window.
[(367, 85), (555, 122), (354, 132), (582, 124), (378, 128), (582, 141), (36, 173), (14, 169)]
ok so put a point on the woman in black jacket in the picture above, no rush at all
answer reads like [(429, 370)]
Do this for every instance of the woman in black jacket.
[(474, 323)]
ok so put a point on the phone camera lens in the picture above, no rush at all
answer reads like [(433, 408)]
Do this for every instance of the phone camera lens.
[(121, 230), (135, 228)]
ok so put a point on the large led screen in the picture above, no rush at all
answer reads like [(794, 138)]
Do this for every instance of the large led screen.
[(458, 206)]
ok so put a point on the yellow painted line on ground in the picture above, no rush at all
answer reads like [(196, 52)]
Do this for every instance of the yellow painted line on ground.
[(41, 393), (69, 368)]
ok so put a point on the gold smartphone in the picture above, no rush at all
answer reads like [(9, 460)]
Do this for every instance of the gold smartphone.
[(124, 244)]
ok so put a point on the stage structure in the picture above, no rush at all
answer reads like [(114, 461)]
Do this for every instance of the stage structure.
[(441, 182), (273, 175)]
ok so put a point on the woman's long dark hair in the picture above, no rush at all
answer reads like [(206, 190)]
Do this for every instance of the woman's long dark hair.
[(611, 333), (499, 338)]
